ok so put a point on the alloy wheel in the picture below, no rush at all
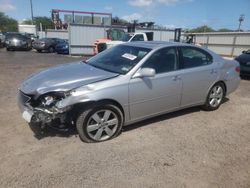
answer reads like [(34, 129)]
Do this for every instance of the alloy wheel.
[(102, 125), (216, 96)]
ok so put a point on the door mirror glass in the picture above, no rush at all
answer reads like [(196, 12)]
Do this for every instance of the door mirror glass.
[(144, 72)]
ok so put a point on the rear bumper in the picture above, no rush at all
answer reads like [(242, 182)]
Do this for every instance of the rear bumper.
[(40, 47), (16, 46), (62, 51)]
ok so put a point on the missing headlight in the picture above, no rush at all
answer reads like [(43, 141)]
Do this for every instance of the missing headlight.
[(48, 100)]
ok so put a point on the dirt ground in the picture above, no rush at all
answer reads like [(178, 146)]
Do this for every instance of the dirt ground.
[(189, 148)]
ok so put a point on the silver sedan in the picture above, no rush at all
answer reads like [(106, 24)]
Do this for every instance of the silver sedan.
[(126, 84)]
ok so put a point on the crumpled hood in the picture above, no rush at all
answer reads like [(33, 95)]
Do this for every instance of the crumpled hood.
[(63, 78)]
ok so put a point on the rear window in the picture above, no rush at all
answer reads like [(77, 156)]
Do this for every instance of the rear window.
[(19, 36), (194, 57)]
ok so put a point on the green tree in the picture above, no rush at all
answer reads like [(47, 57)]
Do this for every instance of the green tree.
[(202, 29), (224, 30), (45, 21), (7, 23), (27, 22), (119, 21)]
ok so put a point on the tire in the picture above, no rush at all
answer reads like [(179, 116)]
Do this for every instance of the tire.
[(215, 97), (92, 125), (7, 49), (51, 49), (39, 51)]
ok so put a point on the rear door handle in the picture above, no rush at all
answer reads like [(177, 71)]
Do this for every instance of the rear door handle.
[(213, 71), (175, 78)]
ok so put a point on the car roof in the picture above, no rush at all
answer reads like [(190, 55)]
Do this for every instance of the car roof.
[(155, 44)]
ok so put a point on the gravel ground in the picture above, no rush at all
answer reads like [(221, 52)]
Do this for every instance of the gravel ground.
[(189, 148)]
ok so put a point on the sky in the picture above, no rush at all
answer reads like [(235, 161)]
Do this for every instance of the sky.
[(170, 13)]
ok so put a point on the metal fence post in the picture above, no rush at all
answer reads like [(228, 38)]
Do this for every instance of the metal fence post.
[(69, 30), (233, 46), (207, 41)]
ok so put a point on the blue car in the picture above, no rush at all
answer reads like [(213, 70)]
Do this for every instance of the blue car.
[(62, 48), (244, 60)]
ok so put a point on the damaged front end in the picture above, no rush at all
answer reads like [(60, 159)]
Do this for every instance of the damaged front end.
[(42, 110)]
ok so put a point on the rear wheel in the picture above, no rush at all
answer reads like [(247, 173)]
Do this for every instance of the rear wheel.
[(215, 97), (39, 51), (99, 123)]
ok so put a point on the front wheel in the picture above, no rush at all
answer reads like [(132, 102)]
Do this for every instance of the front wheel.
[(99, 123), (215, 97)]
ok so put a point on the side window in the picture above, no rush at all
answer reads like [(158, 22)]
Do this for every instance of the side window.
[(164, 60), (59, 40), (52, 40), (192, 57), (55, 40), (138, 37)]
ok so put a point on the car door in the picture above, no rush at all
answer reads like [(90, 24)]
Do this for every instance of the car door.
[(149, 96), (198, 73)]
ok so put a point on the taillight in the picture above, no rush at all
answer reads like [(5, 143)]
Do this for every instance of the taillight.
[(237, 69)]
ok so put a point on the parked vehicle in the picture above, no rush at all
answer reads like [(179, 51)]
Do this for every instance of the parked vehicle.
[(62, 48), (126, 84), (2, 40), (27, 29), (119, 36), (244, 60), (17, 41), (46, 44), (32, 36)]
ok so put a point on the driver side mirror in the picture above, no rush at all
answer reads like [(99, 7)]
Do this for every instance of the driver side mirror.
[(144, 72), (243, 51)]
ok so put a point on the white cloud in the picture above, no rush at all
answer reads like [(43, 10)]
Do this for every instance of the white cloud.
[(131, 17), (6, 5), (140, 3), (147, 3), (108, 8)]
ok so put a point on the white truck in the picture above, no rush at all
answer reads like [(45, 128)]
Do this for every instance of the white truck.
[(118, 36), (28, 30)]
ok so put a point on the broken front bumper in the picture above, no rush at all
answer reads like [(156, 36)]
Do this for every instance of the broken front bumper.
[(37, 114)]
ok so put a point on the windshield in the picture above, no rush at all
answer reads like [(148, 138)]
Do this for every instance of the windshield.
[(126, 37), (119, 59)]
